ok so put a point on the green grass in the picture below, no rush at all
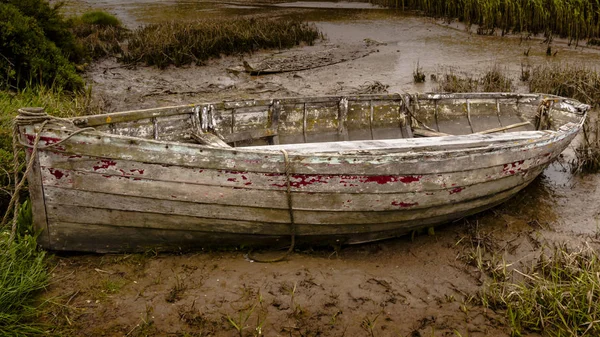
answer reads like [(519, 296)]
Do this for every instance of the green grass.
[(23, 275), (181, 43), (559, 296)]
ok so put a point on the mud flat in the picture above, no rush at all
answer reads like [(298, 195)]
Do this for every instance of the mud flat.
[(424, 285)]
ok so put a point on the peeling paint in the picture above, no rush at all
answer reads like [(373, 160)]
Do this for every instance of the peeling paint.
[(104, 164), (456, 190), (404, 204)]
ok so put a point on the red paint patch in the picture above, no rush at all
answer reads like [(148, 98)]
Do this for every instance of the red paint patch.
[(58, 174), (104, 164), (456, 190), (232, 179), (410, 179), (140, 171), (404, 204)]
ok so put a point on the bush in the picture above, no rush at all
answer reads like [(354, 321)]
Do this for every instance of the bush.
[(54, 27), (28, 57)]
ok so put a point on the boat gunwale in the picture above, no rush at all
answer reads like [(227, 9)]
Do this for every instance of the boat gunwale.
[(120, 116)]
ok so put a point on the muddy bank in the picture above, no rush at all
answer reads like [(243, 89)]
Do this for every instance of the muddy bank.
[(426, 285)]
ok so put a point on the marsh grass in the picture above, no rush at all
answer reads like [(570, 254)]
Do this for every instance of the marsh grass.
[(100, 35), (182, 43), (22, 275), (558, 296), (492, 80), (583, 84), (576, 20)]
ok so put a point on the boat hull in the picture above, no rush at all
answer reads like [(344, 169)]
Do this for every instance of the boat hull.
[(109, 193)]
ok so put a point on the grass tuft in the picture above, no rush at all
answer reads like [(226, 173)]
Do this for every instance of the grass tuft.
[(182, 43), (22, 275), (558, 297), (493, 80)]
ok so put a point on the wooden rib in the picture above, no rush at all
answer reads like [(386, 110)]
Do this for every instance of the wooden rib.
[(371, 119), (469, 115), (304, 118), (498, 112), (155, 125), (275, 113), (342, 117), (435, 114)]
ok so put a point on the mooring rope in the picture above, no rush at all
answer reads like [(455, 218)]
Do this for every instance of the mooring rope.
[(288, 184), (29, 116)]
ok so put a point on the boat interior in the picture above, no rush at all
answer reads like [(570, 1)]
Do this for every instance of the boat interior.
[(267, 122)]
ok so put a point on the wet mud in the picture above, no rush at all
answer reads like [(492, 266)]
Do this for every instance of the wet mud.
[(420, 285)]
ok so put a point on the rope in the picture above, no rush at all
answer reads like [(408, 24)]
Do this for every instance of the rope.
[(29, 116), (291, 212)]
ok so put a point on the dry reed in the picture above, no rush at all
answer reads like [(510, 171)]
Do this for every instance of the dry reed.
[(181, 43)]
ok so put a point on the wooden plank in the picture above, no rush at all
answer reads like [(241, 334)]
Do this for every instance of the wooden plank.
[(504, 128), (209, 139), (155, 220), (447, 211), (426, 133), (252, 134), (325, 201), (70, 197), (38, 207), (171, 190), (103, 239), (408, 156), (316, 183)]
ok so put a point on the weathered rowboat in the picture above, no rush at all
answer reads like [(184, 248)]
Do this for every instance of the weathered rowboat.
[(322, 169)]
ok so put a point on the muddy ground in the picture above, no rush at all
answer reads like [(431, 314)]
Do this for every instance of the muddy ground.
[(423, 285)]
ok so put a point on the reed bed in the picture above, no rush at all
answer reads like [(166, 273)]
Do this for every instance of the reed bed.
[(573, 19), (583, 84), (559, 296), (100, 33), (493, 80), (182, 43)]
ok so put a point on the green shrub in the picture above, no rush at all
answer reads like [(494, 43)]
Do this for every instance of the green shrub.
[(28, 57), (100, 18), (53, 25)]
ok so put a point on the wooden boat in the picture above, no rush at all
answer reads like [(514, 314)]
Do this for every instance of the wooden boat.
[(321, 169)]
